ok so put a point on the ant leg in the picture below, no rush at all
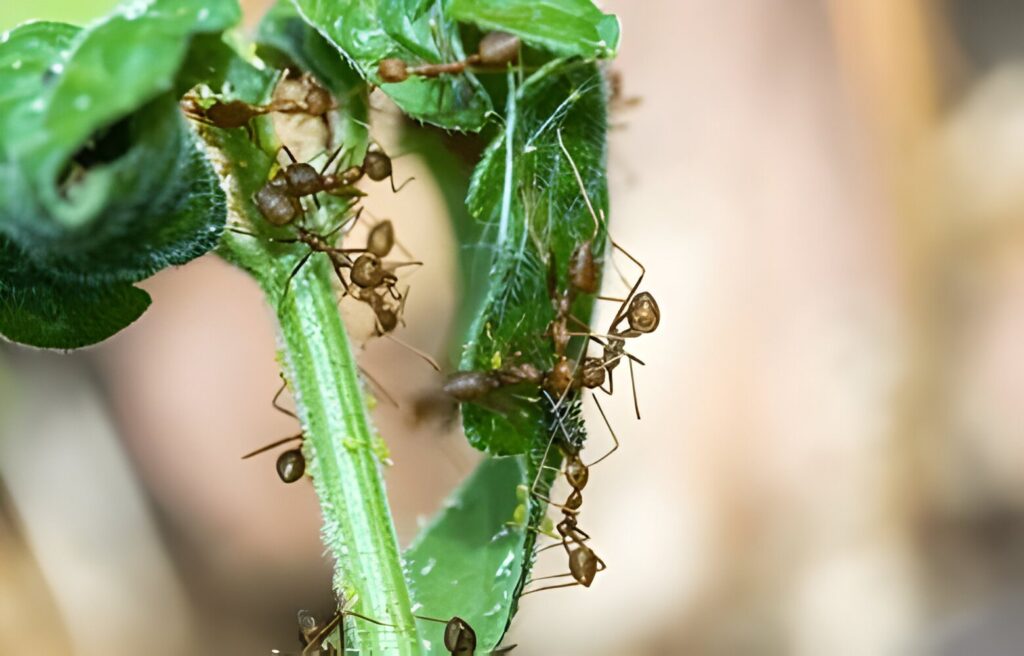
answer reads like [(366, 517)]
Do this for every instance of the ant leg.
[(274, 403), (551, 587), (429, 360), (287, 283), (610, 430), (288, 152), (367, 619), (632, 380), (276, 240), (272, 445), (352, 219), (558, 544), (373, 381), (331, 159)]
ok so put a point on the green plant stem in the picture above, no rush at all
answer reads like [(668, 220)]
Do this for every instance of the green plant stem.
[(341, 457)]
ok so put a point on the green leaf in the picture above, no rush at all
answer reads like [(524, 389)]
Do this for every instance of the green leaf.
[(466, 562), (525, 192), (367, 31), (565, 27), (53, 314), (101, 180)]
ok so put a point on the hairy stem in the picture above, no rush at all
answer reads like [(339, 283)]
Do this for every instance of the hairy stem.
[(342, 459)]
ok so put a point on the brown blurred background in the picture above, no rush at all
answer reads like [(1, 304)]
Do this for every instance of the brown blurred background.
[(828, 198)]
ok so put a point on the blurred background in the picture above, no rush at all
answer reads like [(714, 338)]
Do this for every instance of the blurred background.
[(828, 198)]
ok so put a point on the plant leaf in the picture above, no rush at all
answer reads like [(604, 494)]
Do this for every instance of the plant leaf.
[(525, 192), (53, 314), (565, 27), (367, 31), (101, 181), (466, 562)]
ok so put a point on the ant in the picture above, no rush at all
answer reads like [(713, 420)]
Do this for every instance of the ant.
[(460, 638), (312, 633), (233, 114), (584, 564), (279, 199), (495, 49), (291, 464)]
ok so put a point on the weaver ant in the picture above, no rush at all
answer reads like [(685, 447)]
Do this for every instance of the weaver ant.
[(291, 464), (312, 633), (495, 49), (459, 636), (279, 199), (584, 564), (231, 114)]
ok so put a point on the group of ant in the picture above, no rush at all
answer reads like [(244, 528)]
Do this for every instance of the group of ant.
[(364, 275), (459, 637), (638, 314)]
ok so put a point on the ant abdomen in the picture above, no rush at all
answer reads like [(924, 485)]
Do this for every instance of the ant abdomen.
[(276, 205), (381, 239), (576, 473), (291, 465), (467, 386), (498, 49), (459, 637), (643, 313), (583, 564), (582, 269)]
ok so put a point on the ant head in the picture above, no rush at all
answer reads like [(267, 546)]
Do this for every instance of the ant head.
[(381, 239), (318, 99), (276, 205), (377, 165), (592, 372), (583, 565), (576, 472), (582, 271), (303, 179), (367, 271), (309, 626), (643, 313), (499, 48), (291, 465), (459, 637), (392, 70)]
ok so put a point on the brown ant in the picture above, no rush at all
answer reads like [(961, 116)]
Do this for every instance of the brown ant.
[(231, 114), (584, 564), (279, 199), (496, 49), (291, 464), (460, 638), (312, 633)]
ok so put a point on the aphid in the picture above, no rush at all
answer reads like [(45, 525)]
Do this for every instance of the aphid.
[(496, 49)]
